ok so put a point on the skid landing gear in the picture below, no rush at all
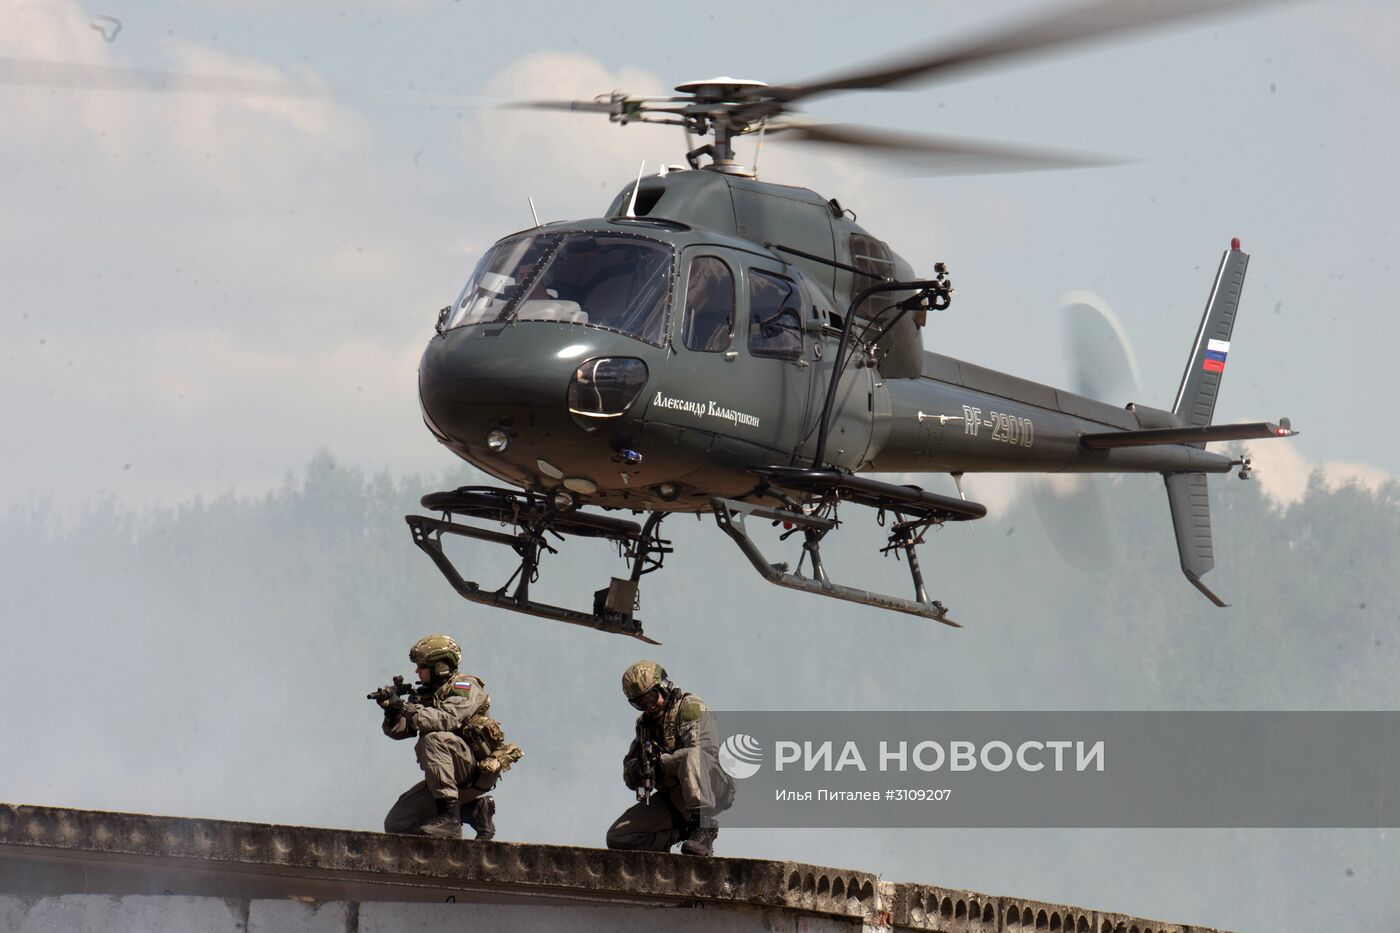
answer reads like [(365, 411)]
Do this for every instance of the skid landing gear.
[(915, 511), (534, 517)]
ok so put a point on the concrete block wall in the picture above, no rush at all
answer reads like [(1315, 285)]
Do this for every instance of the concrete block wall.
[(75, 870), (97, 913)]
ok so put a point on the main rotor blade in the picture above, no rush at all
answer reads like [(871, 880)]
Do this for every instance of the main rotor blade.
[(572, 106), (1090, 21), (627, 109), (942, 155), (26, 72)]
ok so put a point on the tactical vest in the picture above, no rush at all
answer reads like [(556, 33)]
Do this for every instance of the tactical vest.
[(665, 732), (483, 735)]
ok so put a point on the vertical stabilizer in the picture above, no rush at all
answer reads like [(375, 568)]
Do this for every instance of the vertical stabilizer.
[(1200, 385), (1190, 504)]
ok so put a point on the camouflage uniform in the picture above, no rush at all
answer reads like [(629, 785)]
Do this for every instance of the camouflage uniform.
[(450, 769), (689, 781), (461, 749)]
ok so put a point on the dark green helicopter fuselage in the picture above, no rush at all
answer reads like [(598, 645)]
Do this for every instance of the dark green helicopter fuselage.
[(650, 359)]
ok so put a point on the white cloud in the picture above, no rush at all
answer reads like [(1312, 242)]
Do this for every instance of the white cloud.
[(50, 29), (571, 164), (207, 288), (1284, 474), (276, 211), (276, 127), (217, 133)]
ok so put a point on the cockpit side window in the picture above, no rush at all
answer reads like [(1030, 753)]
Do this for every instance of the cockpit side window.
[(709, 306), (498, 280), (775, 316)]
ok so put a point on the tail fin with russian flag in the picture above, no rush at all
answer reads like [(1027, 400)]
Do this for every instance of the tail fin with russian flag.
[(1200, 385), (1195, 406)]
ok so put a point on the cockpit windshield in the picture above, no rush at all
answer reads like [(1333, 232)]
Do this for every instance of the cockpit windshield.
[(619, 282), (498, 278)]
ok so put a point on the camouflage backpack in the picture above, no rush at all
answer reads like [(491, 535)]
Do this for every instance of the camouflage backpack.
[(487, 741)]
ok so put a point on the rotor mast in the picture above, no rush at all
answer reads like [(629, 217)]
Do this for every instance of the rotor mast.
[(720, 109)]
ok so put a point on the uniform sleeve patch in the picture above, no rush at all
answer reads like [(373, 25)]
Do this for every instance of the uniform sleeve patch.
[(691, 711), (462, 686)]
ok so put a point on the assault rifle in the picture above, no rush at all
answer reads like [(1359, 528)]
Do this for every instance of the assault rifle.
[(647, 788), (397, 689)]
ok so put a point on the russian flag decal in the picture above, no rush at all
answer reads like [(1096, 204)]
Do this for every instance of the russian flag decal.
[(1216, 351)]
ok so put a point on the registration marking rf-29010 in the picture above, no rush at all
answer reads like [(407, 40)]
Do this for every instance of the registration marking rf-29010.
[(1008, 429)]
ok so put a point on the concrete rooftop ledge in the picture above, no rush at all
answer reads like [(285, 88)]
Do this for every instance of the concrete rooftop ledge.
[(53, 851)]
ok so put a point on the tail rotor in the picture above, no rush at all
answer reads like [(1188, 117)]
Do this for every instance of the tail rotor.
[(1103, 366)]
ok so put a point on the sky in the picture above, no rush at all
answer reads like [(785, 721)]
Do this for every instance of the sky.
[(202, 292)]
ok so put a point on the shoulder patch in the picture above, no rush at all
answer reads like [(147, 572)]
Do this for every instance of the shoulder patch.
[(463, 687), (692, 710)]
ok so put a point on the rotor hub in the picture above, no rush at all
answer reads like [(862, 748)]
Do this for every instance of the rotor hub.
[(722, 88)]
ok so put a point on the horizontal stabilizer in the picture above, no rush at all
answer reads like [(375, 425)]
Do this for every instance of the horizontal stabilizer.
[(1188, 435)]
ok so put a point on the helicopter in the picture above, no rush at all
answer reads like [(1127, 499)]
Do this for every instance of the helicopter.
[(717, 344)]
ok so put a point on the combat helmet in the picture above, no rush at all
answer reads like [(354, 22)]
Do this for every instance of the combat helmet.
[(433, 650), (642, 677)]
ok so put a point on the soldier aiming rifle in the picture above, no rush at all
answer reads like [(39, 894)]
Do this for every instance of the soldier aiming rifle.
[(460, 748)]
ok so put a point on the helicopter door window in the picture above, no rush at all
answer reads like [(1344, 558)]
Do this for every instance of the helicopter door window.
[(775, 316), (497, 280), (615, 282), (871, 255), (709, 306)]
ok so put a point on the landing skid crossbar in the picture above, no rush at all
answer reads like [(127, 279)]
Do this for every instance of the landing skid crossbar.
[(730, 515), (612, 605)]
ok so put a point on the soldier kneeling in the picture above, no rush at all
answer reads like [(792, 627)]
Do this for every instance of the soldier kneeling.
[(673, 765), (461, 749)]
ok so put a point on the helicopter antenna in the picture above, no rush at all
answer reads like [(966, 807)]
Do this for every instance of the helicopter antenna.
[(758, 149), (532, 210), (632, 205)]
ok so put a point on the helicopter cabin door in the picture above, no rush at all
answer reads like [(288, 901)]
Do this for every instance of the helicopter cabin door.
[(860, 398), (740, 375)]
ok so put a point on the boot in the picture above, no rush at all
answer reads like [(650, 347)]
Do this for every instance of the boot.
[(701, 838), (447, 823), (480, 816)]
